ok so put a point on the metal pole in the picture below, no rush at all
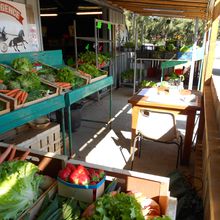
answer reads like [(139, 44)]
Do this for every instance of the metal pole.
[(63, 131), (70, 131), (135, 55), (96, 43), (75, 42), (191, 76), (110, 106)]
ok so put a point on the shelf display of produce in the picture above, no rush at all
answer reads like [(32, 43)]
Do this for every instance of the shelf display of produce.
[(24, 89), (96, 58), (27, 113), (136, 195)]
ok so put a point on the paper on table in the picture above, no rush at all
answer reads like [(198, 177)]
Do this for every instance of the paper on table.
[(148, 92)]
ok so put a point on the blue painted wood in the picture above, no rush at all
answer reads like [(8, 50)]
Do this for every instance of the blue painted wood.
[(21, 116), (50, 57), (87, 90)]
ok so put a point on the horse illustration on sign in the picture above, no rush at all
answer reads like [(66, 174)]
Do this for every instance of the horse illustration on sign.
[(19, 39)]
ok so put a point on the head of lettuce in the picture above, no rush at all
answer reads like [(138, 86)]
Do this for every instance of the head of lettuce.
[(19, 188)]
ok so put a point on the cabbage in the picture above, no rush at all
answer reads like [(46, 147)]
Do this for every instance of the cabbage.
[(22, 64), (19, 188)]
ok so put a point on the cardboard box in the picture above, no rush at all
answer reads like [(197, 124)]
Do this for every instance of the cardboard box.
[(83, 193)]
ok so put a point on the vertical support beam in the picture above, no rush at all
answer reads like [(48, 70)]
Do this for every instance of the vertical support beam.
[(207, 72), (135, 54), (63, 132), (96, 42), (75, 42), (70, 131), (191, 76)]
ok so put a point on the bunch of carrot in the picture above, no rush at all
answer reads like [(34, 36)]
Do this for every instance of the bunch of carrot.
[(18, 94), (10, 153), (64, 85)]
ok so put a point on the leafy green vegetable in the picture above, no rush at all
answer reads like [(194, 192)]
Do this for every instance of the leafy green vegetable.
[(90, 69), (90, 58), (120, 206), (14, 85), (66, 74), (22, 64), (6, 74), (29, 81), (19, 188)]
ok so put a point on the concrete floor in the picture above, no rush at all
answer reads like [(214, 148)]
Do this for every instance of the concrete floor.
[(101, 144)]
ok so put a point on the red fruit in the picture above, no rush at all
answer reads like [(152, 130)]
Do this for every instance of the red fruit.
[(91, 171), (71, 167), (101, 173), (64, 174), (74, 177), (84, 179), (82, 170)]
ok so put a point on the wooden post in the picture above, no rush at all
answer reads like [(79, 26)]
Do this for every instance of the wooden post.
[(214, 21)]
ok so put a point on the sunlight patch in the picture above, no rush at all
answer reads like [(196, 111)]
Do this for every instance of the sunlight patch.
[(108, 153)]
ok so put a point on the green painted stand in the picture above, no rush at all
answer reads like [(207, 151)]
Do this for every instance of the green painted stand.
[(80, 93), (168, 64), (21, 116)]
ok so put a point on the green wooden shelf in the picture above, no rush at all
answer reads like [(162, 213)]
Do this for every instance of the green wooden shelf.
[(23, 115)]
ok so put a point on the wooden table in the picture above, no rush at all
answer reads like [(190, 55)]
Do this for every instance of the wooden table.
[(169, 103)]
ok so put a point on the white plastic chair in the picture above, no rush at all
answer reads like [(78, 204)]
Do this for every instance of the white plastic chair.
[(158, 127)]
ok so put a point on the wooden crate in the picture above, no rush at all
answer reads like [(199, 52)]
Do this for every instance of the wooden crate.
[(48, 164), (155, 187), (14, 103), (6, 105), (89, 77), (151, 186), (47, 139), (61, 89)]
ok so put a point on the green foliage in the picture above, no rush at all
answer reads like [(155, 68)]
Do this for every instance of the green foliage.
[(22, 64), (90, 69), (120, 206), (158, 30), (29, 81), (90, 57), (19, 188), (66, 74)]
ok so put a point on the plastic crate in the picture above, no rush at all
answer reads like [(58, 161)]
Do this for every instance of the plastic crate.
[(47, 139)]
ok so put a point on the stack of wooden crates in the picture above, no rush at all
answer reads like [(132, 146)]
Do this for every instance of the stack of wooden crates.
[(47, 139)]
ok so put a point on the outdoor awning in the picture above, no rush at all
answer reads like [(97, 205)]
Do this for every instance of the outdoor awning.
[(172, 8)]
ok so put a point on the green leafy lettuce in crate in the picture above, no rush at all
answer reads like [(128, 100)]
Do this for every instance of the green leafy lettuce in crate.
[(91, 70), (22, 64)]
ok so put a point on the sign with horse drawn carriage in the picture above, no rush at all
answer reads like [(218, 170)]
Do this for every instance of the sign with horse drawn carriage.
[(13, 27)]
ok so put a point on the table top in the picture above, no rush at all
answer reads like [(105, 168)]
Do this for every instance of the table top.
[(154, 97)]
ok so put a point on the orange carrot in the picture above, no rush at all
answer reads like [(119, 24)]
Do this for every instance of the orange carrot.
[(25, 97), (12, 92), (5, 153), (1, 81), (18, 94), (24, 156), (12, 155), (4, 90), (21, 98)]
